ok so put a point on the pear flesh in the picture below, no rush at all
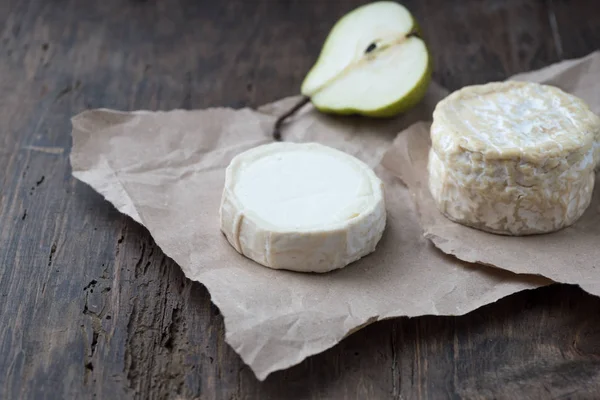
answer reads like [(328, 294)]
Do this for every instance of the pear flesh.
[(373, 63)]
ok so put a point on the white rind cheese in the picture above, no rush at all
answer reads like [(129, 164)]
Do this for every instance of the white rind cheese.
[(513, 158), (302, 207)]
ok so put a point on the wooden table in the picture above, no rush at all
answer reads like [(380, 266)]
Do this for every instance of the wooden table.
[(91, 308)]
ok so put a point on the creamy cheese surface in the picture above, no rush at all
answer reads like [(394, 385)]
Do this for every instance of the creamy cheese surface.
[(299, 189), (303, 207), (513, 158)]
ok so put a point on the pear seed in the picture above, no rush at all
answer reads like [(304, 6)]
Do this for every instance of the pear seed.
[(371, 47)]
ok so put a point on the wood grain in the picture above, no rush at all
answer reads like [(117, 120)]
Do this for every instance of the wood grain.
[(91, 308)]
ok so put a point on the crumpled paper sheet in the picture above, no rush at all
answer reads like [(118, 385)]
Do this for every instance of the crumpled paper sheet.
[(571, 255), (166, 170)]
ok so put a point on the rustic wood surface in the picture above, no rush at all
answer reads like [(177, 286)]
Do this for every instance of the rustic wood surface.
[(91, 308)]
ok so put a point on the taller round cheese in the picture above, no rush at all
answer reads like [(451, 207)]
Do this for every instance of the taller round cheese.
[(302, 207), (513, 158)]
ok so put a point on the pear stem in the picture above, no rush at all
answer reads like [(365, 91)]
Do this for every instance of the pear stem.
[(277, 129)]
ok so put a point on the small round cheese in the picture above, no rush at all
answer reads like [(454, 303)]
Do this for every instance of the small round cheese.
[(513, 158), (302, 207)]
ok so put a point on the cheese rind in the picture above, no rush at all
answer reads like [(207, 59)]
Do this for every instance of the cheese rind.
[(302, 207), (513, 158)]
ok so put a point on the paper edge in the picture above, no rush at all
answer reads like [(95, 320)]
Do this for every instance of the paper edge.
[(128, 208), (375, 319), (560, 66)]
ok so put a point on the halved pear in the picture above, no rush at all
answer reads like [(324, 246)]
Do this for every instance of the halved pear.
[(373, 63)]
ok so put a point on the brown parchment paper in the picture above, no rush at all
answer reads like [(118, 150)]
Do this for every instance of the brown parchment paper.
[(166, 170), (571, 255)]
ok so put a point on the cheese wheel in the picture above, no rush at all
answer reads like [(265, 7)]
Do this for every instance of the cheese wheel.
[(302, 207), (513, 158)]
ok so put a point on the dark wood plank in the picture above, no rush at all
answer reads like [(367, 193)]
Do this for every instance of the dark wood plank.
[(92, 308), (476, 42), (575, 27)]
